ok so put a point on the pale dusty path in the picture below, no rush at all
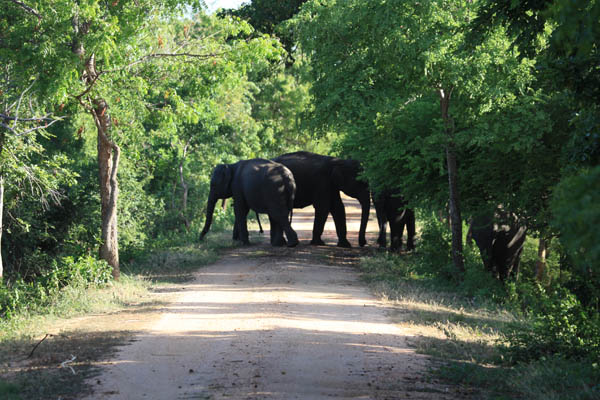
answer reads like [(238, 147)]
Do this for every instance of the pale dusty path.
[(267, 323)]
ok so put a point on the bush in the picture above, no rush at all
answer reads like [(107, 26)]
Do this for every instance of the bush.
[(557, 378), (387, 267), (576, 211), (561, 326), (21, 296), (478, 283), (434, 252)]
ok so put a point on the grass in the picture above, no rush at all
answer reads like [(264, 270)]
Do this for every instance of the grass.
[(464, 336), (30, 372)]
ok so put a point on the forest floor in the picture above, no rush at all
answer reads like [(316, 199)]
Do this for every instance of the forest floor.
[(261, 323)]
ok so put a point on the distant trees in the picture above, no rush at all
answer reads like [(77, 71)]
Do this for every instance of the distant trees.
[(461, 105), (141, 77), (381, 69)]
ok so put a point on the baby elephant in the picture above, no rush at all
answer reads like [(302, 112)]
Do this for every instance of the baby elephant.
[(261, 185), (391, 207)]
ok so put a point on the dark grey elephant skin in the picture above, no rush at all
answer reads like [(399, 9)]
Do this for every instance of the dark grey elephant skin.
[(319, 180), (500, 240), (391, 208), (261, 185)]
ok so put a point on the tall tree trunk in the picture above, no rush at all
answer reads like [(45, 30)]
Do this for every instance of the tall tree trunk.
[(540, 265), (1, 216), (454, 203), (185, 188), (108, 165), (2, 137)]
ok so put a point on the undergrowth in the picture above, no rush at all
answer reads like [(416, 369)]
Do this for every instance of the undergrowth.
[(502, 340), (84, 286)]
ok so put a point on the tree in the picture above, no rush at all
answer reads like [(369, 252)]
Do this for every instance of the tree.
[(94, 54), (19, 129), (373, 61), (267, 16), (563, 37)]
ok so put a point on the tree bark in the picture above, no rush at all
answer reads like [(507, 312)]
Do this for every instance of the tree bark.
[(1, 226), (108, 165), (454, 200), (185, 188), (2, 138), (540, 265)]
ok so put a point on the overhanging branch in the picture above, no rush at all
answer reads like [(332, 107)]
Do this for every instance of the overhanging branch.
[(27, 8)]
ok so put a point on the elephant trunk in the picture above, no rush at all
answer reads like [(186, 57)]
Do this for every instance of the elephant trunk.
[(365, 203), (210, 208)]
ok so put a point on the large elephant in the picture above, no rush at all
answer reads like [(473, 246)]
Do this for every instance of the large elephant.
[(319, 180), (500, 238), (391, 207), (260, 185)]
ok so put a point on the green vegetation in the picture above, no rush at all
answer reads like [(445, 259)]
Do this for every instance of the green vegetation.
[(113, 115), (136, 291), (493, 340)]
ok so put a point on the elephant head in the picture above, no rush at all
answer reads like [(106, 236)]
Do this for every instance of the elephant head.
[(220, 188), (344, 176)]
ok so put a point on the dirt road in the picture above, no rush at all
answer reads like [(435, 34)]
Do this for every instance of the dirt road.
[(272, 323)]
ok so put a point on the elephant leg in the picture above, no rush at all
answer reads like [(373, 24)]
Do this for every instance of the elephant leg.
[(321, 211), (381, 239), (338, 212), (381, 221), (284, 224), (241, 213), (259, 224), (410, 229), (276, 232), (396, 231), (236, 231)]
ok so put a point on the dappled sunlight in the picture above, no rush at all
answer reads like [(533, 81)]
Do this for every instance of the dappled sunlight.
[(273, 323)]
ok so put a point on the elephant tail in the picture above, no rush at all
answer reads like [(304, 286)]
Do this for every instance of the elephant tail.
[(291, 214), (290, 190)]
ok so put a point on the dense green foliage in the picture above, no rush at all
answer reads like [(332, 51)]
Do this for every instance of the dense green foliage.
[(508, 89), (184, 92), (519, 80)]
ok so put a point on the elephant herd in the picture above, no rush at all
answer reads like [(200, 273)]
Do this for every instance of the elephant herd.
[(296, 180)]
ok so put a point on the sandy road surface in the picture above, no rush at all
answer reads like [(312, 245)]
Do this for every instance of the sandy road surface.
[(267, 323)]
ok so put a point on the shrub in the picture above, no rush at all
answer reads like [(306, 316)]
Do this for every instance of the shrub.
[(434, 253), (19, 296), (561, 326), (387, 267), (576, 211)]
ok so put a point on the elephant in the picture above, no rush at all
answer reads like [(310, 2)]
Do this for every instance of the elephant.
[(258, 184), (260, 228), (319, 180), (391, 207), (500, 238)]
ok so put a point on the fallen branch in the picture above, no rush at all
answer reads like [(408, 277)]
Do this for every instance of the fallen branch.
[(37, 345)]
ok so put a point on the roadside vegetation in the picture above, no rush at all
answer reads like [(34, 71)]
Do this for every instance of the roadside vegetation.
[(40, 339), (113, 115), (492, 340)]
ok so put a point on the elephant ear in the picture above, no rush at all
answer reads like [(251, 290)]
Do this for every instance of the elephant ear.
[(344, 174), (222, 177)]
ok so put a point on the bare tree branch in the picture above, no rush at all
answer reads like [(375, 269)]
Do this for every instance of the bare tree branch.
[(19, 103), (27, 8), (10, 118), (14, 130), (148, 57)]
